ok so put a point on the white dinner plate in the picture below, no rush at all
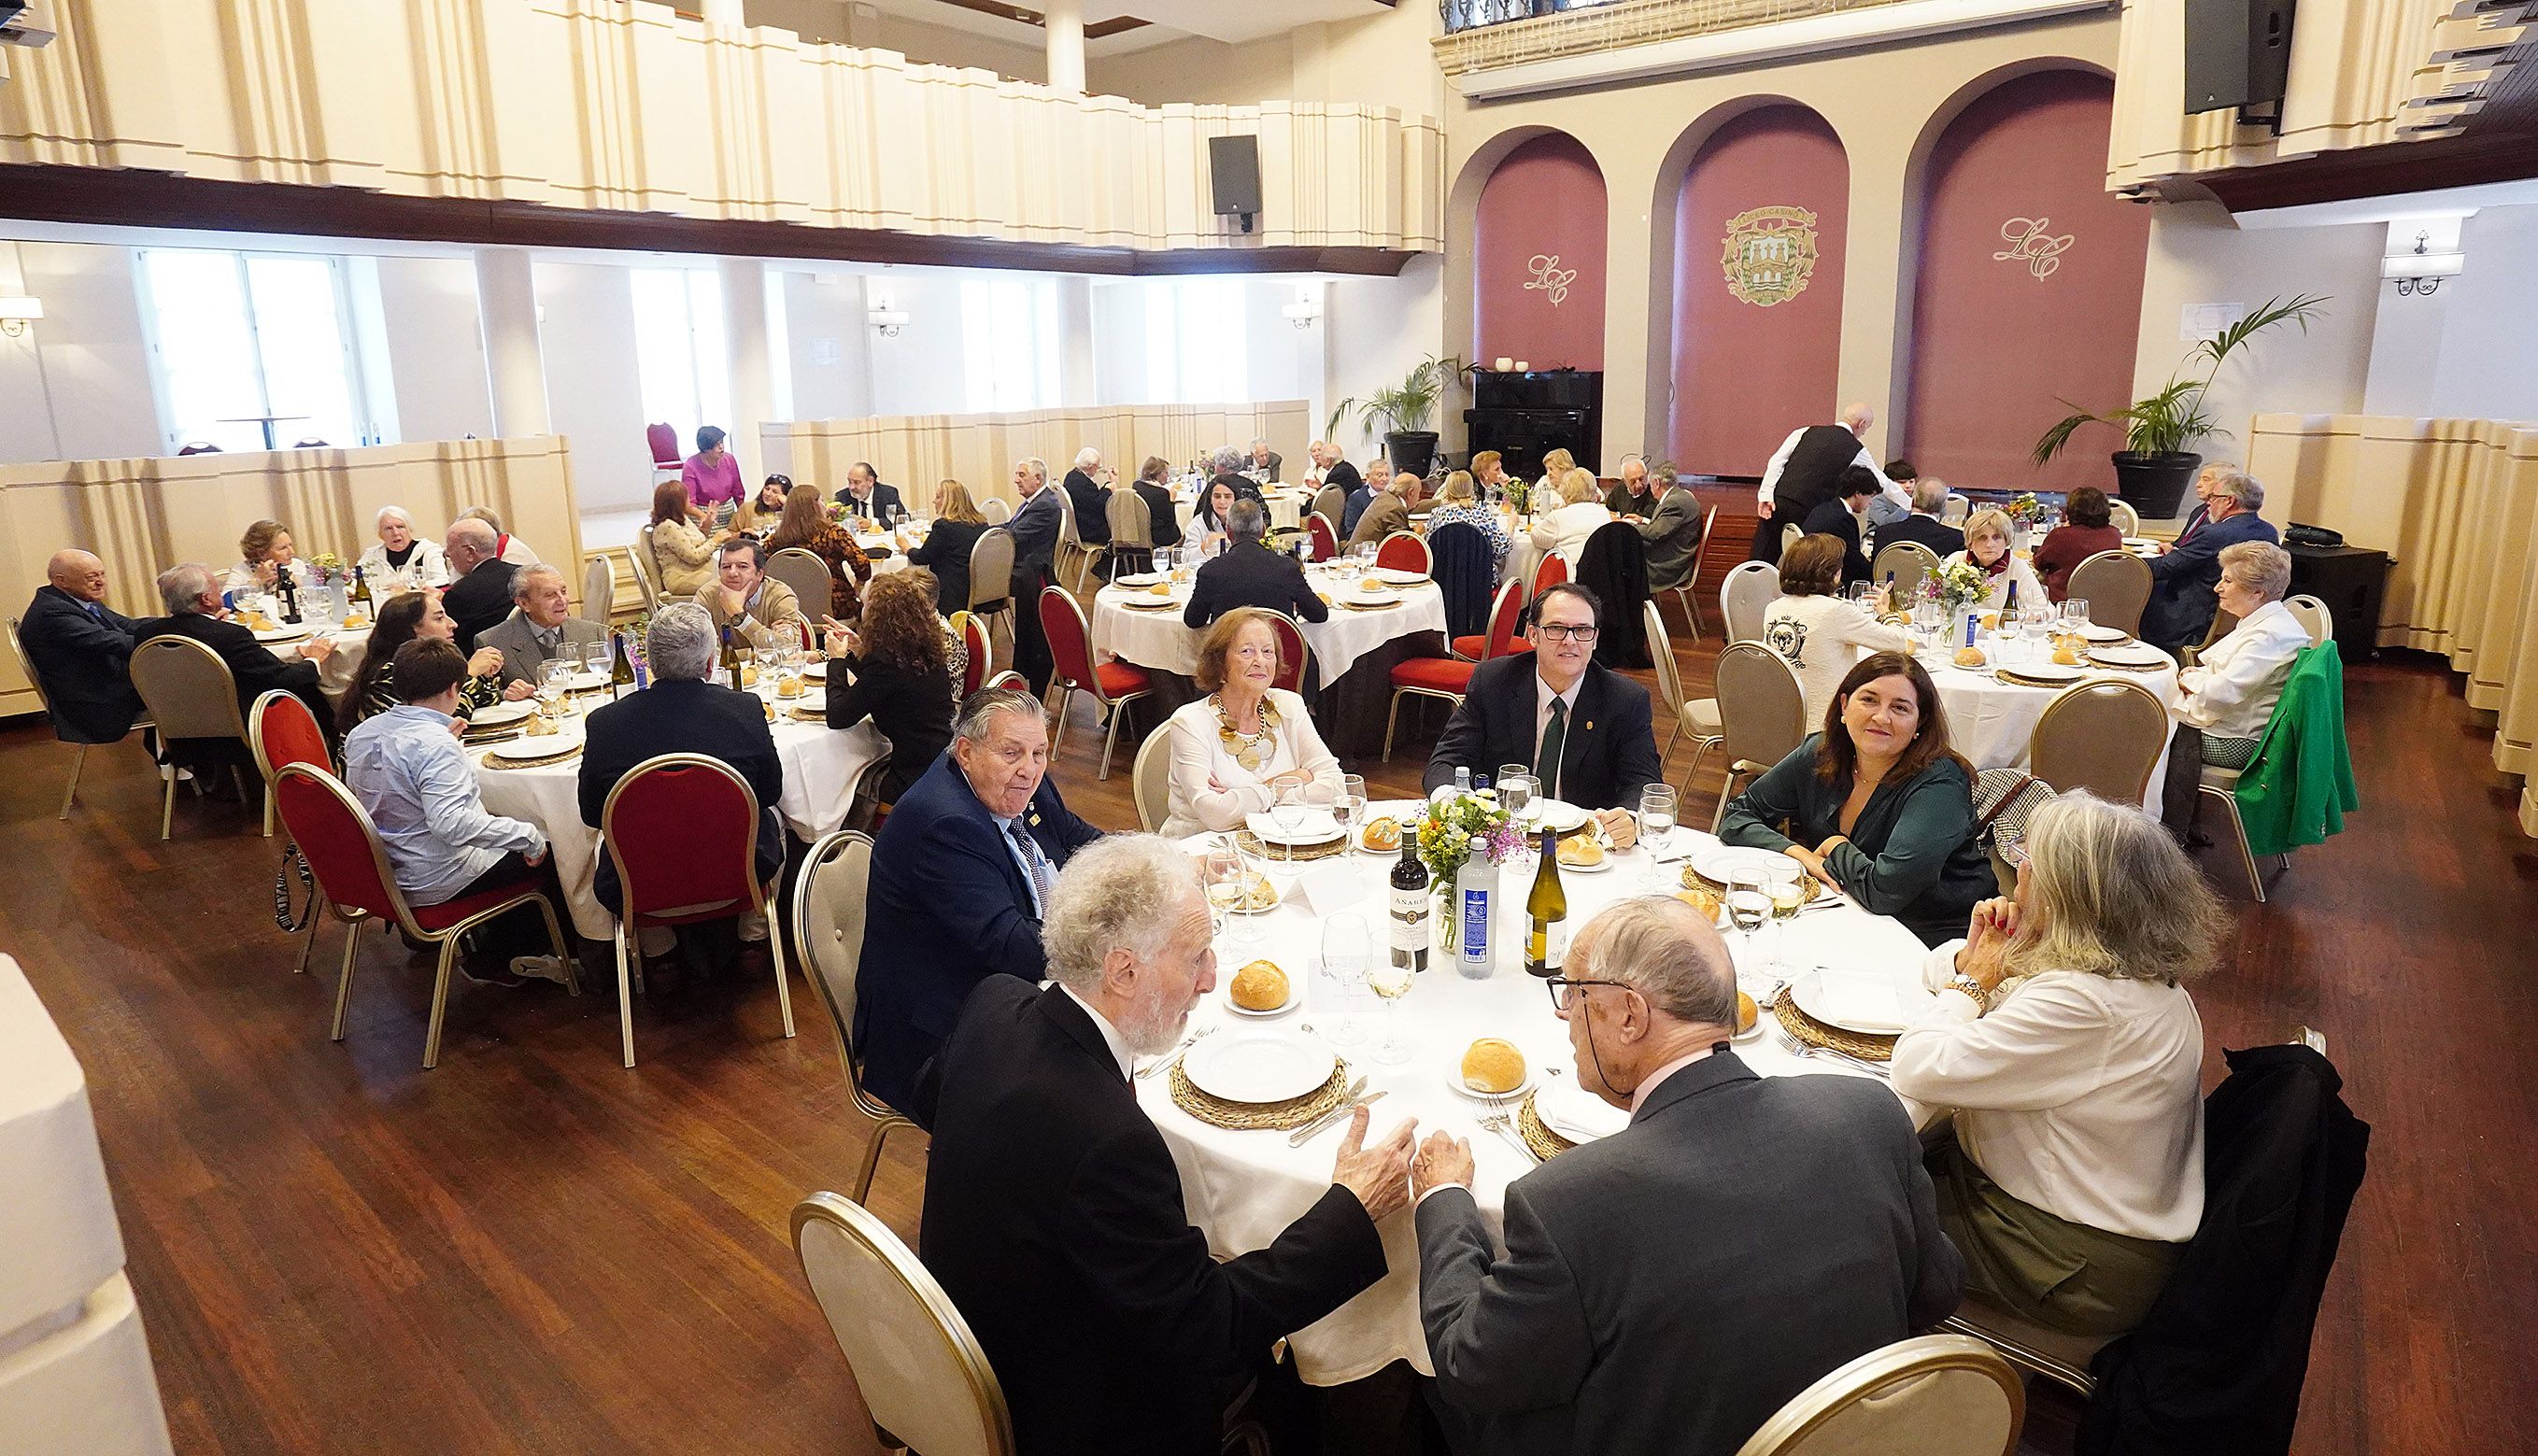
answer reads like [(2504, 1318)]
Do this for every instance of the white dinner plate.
[(499, 713), (1554, 814), (1877, 1002), (1316, 826), (1404, 812), (584, 682), (2129, 654), (1400, 577), (2042, 674), (1258, 1065), (1360, 597), (526, 750), (817, 672), (1715, 863), (1140, 602), (1597, 868), (809, 704), (280, 633), (2095, 633), (1576, 1114), (1454, 1080), (1138, 579), (2140, 543), (1276, 1011)]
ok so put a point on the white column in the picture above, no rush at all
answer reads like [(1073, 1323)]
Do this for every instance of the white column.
[(1065, 20), (1076, 387), (506, 305), (745, 353)]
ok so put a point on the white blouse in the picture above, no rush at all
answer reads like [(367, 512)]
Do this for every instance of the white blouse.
[(2079, 1094), (1821, 637), (424, 563), (1566, 530), (1201, 759), (2231, 692), (2029, 589)]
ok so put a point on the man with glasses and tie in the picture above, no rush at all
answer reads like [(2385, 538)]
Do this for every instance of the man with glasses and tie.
[(1584, 728), (961, 873)]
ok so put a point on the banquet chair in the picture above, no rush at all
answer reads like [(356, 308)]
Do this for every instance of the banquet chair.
[(1012, 680), (807, 574), (342, 849), (1113, 684), (1743, 598), (1403, 550), (1070, 548), (1954, 511), (2315, 617), (646, 564), (1446, 678), (1150, 780), (2103, 737), (1931, 1395), (2060, 1357), (1907, 561), (991, 581), (924, 1380), (2121, 515), (2116, 586), (1553, 570), (1294, 652), (1701, 719), (1687, 592), (682, 831), (828, 930), (598, 588), (982, 653), (663, 439), (1331, 503), (996, 509), (1761, 717), (1132, 534), (281, 730), (1325, 536), (1507, 611), (79, 761), (189, 693)]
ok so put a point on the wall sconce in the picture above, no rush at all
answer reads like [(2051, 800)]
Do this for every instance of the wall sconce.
[(1305, 311), (886, 320), (16, 313), (2422, 271)]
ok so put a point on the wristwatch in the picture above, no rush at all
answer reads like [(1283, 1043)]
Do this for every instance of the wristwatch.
[(1974, 989)]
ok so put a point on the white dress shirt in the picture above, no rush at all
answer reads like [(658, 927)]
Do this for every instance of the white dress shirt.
[(1200, 759), (1110, 1036), (2232, 692), (1780, 461), (1542, 696), (407, 769), (2079, 1094)]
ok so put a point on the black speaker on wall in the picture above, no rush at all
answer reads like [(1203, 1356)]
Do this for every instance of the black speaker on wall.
[(1234, 169), (2237, 53)]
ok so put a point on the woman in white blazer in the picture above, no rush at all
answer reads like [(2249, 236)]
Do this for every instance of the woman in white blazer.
[(1236, 749)]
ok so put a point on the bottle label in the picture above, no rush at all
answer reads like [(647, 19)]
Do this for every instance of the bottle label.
[(1476, 923), (1410, 928)]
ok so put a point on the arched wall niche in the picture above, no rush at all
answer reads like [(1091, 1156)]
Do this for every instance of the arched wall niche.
[(1538, 256)]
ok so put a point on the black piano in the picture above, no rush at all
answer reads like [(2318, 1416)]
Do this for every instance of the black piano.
[(1525, 417)]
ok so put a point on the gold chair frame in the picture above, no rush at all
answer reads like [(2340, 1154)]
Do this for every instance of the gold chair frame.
[(836, 853), (2097, 697), (1728, 592), (144, 665), (1745, 757), (2113, 604), (1150, 780), (79, 761), (1881, 1370), (645, 566)]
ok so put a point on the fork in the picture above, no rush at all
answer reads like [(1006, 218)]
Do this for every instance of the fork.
[(1178, 1053), (1498, 1122)]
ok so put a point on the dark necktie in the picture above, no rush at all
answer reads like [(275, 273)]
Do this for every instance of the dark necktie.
[(1555, 736), (1039, 865)]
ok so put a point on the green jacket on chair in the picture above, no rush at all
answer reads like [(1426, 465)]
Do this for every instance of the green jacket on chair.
[(2298, 787)]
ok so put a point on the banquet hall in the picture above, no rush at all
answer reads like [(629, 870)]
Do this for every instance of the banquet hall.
[(852, 726)]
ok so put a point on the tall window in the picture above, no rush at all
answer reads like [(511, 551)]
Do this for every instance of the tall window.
[(1009, 343), (1195, 342), (678, 355), (238, 337)]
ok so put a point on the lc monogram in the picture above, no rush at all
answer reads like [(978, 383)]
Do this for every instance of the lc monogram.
[(2031, 245), (1550, 277)]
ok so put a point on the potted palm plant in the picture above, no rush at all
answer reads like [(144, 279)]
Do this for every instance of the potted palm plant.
[(1405, 410), (2157, 461)]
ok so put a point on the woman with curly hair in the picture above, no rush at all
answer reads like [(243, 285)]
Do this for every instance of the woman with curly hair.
[(406, 616), (805, 524), (892, 669)]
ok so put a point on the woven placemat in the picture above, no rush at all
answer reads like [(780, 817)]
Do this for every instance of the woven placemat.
[(1250, 844), (1813, 1033), (490, 762), (1538, 1135), (1695, 880), (1284, 1116)]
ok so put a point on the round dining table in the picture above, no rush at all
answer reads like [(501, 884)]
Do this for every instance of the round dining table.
[(1155, 636), (1991, 719), (1242, 1188), (335, 675)]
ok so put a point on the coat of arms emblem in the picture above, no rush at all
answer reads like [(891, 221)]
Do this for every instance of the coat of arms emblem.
[(1770, 255)]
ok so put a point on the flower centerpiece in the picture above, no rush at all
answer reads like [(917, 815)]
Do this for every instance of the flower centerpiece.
[(1956, 586), (326, 569), (2022, 507), (837, 514), (1456, 827)]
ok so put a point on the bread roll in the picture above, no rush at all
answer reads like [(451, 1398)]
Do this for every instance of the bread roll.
[(1160, 589), (1260, 987), (1493, 1066), (1747, 1013), (2067, 655), (1969, 657), (1374, 583), (1580, 851), (1384, 835), (788, 687)]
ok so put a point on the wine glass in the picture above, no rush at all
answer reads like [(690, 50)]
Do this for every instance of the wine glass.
[(1390, 982), (1225, 876), (1788, 895), (1656, 825), (1748, 903), (2034, 620), (550, 689), (1287, 811), (1343, 960), (1346, 803)]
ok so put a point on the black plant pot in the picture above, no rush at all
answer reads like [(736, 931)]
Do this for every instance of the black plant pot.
[(2153, 484), (1413, 450)]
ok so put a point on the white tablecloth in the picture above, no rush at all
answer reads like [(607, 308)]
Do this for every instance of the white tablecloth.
[(336, 673), (819, 763), (1242, 1188), (1992, 723), (1153, 637)]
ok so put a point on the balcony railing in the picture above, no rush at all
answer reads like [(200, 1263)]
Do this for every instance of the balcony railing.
[(1481, 34)]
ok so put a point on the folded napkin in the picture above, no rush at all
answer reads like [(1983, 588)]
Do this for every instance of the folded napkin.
[(1576, 1114), (1859, 1000)]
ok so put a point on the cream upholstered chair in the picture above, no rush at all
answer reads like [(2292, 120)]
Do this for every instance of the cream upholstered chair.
[(1762, 715), (1150, 780), (2116, 586), (648, 570), (2060, 1358), (2315, 618), (996, 509), (1790, 535), (1687, 591), (189, 693), (829, 927), (1132, 533), (1955, 510), (598, 588), (992, 584), (1331, 502), (1907, 561), (1700, 720), (1744, 596), (923, 1377), (806, 574), (2103, 737), (2121, 515), (1932, 1395)]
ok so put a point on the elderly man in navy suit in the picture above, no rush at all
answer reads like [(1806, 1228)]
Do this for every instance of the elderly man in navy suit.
[(2182, 578), (81, 650), (960, 881)]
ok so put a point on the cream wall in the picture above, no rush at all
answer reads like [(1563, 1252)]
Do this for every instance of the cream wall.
[(76, 383), (835, 23), (2488, 360), (435, 348)]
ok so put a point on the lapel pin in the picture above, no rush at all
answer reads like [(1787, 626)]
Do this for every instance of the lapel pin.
[(1590, 725)]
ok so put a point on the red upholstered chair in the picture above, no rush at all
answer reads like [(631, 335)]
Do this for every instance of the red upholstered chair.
[(1426, 677), (1551, 572), (665, 449), (973, 628), (1505, 613), (1403, 551), (1009, 679), (344, 852), (682, 831), (1294, 652), (1326, 537), (282, 731), (1070, 643)]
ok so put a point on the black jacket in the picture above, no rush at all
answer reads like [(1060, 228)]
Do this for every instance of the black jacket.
[(1614, 566), (1929, 530), (252, 664), (1092, 506), (1167, 518), (682, 716), (1813, 470), (84, 663), (479, 600), (2216, 1369), (1253, 576), (914, 711), (945, 552), (885, 500), (1035, 528), (1609, 753), (1833, 519), (1054, 1220)]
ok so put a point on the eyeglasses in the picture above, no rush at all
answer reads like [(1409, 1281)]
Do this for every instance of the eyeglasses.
[(1566, 633), (1561, 987)]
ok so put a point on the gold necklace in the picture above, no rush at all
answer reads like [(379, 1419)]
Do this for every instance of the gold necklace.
[(1250, 750)]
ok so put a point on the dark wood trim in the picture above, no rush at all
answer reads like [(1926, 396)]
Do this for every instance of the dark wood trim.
[(117, 197), (2464, 161)]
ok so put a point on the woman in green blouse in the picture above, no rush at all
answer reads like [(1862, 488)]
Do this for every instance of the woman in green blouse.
[(1877, 805)]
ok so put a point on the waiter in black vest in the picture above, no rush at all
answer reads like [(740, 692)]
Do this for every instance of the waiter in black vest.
[(1803, 473)]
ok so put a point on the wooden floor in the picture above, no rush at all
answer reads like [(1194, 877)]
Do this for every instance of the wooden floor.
[(534, 1249)]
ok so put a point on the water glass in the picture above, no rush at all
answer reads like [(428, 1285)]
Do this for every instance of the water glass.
[(1287, 811), (1656, 827), (1345, 951), (595, 658), (1391, 982), (1346, 804), (1748, 903)]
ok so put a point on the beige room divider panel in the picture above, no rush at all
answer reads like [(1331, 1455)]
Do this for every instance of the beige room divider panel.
[(979, 450)]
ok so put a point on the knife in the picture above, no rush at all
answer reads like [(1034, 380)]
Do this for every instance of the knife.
[(1315, 1128)]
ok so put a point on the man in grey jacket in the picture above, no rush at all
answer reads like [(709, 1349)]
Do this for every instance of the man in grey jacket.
[(1672, 532), (541, 627), (1667, 1289)]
